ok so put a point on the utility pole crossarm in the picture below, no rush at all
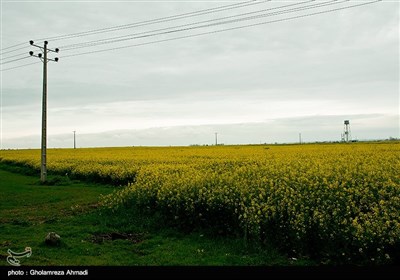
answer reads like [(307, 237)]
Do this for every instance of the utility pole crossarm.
[(43, 57)]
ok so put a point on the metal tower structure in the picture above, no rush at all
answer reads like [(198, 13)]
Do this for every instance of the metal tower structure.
[(346, 136)]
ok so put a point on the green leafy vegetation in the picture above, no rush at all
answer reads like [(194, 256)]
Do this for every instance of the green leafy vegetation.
[(94, 236)]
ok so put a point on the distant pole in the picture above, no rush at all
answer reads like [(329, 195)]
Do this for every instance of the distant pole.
[(43, 165), (300, 138), (216, 138), (74, 140)]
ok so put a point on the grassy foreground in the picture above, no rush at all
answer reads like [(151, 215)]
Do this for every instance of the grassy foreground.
[(92, 236)]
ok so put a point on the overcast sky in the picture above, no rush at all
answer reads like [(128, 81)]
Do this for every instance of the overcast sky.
[(262, 84)]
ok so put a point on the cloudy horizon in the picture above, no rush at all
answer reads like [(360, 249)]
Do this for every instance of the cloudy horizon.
[(262, 84)]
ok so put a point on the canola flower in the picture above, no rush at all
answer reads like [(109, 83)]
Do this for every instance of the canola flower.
[(333, 201)]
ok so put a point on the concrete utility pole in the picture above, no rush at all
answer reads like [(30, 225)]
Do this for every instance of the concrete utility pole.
[(300, 138), (74, 139), (43, 57), (216, 138)]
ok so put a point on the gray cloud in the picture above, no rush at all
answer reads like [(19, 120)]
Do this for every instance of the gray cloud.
[(312, 128), (338, 64)]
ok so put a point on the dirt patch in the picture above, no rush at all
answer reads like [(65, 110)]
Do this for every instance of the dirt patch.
[(133, 237), (6, 243)]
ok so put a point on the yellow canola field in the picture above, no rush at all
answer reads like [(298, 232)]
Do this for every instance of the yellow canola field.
[(332, 201)]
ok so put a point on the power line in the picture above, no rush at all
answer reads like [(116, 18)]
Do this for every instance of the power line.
[(223, 30), (147, 22), (13, 50), (17, 59), (19, 66), (154, 21), (105, 41), (209, 32), (13, 46), (143, 23), (8, 57), (109, 41)]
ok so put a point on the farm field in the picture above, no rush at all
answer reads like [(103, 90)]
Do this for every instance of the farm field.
[(92, 236), (335, 203)]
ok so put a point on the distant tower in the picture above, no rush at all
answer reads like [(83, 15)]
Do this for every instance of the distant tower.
[(346, 136)]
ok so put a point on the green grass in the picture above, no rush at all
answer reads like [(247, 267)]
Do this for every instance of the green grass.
[(29, 210)]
